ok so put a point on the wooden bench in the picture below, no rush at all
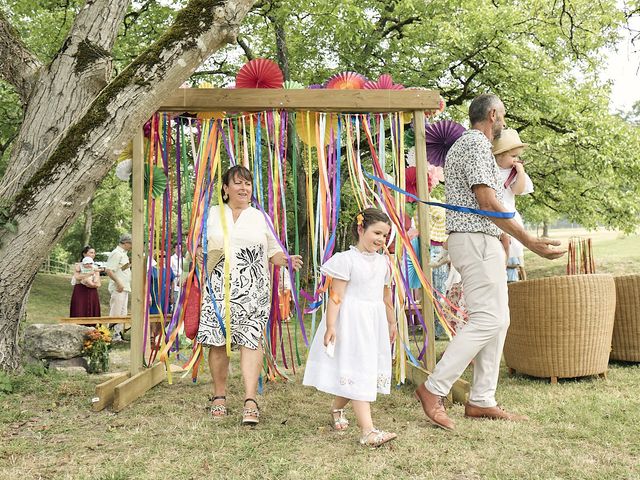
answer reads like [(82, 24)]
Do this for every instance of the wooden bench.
[(153, 318)]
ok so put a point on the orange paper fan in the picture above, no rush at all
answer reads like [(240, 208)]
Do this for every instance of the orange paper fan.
[(260, 73), (346, 81)]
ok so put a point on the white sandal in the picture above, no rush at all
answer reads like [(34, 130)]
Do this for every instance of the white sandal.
[(340, 423), (376, 438)]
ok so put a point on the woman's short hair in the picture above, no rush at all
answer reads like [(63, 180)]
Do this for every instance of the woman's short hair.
[(366, 218), (231, 174)]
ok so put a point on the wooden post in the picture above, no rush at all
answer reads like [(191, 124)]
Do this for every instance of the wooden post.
[(425, 234), (137, 255)]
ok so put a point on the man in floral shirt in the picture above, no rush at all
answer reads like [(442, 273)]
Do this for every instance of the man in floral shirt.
[(472, 180)]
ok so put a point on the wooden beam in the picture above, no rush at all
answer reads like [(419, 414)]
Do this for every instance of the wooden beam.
[(325, 100), (153, 318), (136, 386), (104, 392), (137, 256), (459, 392), (422, 170)]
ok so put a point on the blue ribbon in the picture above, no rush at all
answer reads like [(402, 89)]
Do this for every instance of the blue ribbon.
[(455, 208)]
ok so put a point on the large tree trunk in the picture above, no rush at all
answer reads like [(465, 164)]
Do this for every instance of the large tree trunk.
[(72, 135)]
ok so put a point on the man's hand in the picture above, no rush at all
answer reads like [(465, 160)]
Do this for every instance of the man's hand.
[(487, 200), (542, 247), (119, 288)]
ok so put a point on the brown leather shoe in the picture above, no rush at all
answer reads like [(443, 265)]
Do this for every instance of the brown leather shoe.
[(493, 413), (433, 406)]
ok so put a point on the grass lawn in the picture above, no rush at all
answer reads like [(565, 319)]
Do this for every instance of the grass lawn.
[(578, 429)]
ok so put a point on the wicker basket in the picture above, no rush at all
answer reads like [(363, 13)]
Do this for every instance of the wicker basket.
[(626, 328), (561, 327)]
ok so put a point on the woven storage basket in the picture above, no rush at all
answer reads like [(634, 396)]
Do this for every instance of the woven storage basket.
[(561, 327), (626, 328)]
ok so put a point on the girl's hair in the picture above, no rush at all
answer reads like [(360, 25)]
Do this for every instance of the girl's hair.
[(366, 218), (231, 174), (85, 250)]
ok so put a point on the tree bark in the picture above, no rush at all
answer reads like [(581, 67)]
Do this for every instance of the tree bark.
[(19, 66), (71, 136)]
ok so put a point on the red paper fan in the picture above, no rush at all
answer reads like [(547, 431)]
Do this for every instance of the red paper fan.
[(346, 81), (260, 73), (385, 82)]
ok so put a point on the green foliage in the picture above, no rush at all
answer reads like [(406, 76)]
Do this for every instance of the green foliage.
[(43, 24), (111, 209), (59, 254)]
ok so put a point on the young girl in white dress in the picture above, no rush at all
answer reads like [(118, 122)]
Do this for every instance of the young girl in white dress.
[(350, 356)]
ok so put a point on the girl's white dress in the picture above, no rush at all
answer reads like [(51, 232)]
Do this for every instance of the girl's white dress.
[(361, 365)]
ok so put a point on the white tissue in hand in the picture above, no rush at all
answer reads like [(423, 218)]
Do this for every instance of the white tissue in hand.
[(330, 349)]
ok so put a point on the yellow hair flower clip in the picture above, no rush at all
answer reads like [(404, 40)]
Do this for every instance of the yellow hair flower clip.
[(359, 219)]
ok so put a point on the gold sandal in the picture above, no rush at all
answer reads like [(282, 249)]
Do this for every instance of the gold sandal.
[(340, 423), (376, 438), (218, 410), (250, 416)]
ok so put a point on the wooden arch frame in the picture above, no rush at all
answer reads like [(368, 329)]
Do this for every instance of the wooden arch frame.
[(129, 386)]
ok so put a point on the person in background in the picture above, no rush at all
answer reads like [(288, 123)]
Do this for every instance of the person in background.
[(118, 269), (85, 301)]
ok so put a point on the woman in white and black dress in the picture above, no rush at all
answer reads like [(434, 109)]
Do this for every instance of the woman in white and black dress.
[(252, 245)]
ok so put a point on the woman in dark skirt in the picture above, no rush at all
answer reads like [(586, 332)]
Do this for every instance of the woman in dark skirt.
[(86, 280)]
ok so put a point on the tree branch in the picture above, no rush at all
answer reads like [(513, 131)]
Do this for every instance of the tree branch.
[(551, 124), (132, 17), (18, 66), (246, 48)]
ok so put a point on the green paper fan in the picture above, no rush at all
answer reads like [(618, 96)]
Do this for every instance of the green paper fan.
[(293, 85), (159, 182)]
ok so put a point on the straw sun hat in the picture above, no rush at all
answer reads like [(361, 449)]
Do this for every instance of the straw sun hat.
[(509, 139)]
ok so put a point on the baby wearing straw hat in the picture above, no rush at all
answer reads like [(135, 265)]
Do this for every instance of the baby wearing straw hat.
[(507, 150)]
